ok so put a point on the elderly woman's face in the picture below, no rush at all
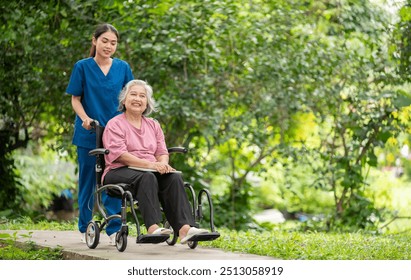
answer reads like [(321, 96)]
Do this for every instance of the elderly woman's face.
[(136, 100)]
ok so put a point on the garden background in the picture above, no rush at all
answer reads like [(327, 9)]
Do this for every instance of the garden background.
[(298, 106)]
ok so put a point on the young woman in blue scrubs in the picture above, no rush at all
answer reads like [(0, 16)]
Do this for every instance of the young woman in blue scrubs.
[(94, 85)]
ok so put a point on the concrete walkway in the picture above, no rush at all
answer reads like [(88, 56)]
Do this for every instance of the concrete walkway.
[(73, 249)]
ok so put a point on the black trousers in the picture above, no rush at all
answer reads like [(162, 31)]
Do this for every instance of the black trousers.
[(150, 189)]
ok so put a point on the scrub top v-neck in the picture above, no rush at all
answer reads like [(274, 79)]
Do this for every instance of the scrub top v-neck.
[(99, 94)]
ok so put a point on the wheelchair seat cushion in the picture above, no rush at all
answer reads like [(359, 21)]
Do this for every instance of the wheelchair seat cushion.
[(114, 192)]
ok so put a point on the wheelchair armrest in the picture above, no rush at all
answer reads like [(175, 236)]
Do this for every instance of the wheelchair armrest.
[(181, 150), (98, 151)]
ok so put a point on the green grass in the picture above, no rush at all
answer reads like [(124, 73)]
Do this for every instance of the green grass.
[(25, 223), (28, 252), (317, 246), (280, 243), (11, 250)]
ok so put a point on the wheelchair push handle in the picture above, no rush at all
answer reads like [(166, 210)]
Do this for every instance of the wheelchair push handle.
[(181, 150), (94, 124), (99, 150)]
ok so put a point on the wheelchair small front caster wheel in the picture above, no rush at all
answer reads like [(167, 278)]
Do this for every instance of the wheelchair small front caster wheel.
[(92, 235), (173, 237), (192, 244), (121, 241)]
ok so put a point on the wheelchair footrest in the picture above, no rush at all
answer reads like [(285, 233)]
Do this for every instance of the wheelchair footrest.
[(205, 236), (152, 238)]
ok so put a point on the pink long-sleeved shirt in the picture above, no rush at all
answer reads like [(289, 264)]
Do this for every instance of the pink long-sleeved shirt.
[(120, 136)]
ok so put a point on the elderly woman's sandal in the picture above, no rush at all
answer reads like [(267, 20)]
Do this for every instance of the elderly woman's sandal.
[(164, 231), (191, 233)]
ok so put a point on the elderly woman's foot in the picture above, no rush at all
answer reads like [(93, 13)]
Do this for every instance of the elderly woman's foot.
[(164, 231), (191, 233), (155, 229)]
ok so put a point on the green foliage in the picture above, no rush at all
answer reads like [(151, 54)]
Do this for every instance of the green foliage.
[(287, 190), (11, 250), (43, 176), (359, 111), (11, 190), (27, 223), (281, 241), (243, 85), (316, 246), (402, 49)]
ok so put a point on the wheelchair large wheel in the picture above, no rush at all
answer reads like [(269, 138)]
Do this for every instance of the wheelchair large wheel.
[(92, 235), (121, 241), (173, 237)]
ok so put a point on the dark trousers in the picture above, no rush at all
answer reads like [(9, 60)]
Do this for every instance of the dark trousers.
[(150, 189)]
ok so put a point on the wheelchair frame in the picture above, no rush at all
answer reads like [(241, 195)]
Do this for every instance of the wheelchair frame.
[(94, 228)]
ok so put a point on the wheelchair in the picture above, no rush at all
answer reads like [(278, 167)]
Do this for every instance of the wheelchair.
[(94, 228)]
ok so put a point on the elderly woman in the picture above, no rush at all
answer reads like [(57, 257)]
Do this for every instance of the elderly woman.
[(136, 140)]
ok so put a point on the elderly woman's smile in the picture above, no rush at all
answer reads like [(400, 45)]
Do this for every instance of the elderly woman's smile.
[(136, 99)]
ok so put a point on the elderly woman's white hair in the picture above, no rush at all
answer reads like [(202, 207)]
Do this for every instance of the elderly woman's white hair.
[(151, 103)]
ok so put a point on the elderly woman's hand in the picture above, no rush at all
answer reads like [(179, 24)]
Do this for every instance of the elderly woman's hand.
[(163, 168)]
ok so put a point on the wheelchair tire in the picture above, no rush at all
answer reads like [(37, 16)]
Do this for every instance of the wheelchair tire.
[(173, 237), (92, 235), (192, 244), (121, 241)]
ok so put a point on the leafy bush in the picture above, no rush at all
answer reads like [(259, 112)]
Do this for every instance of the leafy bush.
[(42, 176)]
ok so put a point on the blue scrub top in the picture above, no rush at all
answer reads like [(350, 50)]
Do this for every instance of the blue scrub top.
[(99, 94)]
